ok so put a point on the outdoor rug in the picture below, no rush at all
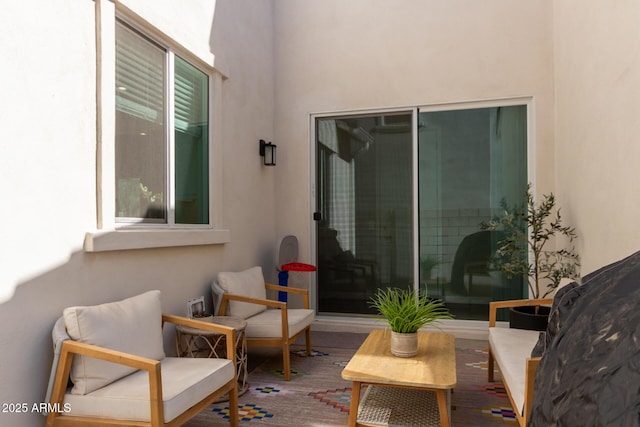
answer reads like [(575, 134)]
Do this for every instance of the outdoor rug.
[(317, 396)]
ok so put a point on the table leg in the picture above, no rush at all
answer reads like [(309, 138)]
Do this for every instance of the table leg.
[(355, 401), (443, 408)]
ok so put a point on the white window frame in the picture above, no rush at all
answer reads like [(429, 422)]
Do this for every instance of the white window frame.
[(110, 234), (415, 109)]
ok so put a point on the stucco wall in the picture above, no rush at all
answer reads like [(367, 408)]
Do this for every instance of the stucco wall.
[(597, 62), (300, 58), (48, 173), (360, 54)]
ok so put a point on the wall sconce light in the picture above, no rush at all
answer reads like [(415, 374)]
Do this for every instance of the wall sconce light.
[(268, 152)]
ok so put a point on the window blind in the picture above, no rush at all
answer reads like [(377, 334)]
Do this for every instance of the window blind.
[(140, 76)]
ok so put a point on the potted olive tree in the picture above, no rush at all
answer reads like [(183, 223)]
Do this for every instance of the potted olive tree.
[(406, 312), (528, 229)]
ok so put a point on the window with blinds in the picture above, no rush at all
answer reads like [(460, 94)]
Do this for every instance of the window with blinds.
[(153, 186)]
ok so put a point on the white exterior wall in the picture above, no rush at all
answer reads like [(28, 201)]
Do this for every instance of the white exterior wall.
[(597, 62), (300, 58), (48, 173), (339, 55)]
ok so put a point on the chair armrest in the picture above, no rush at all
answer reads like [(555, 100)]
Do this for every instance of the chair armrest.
[(251, 300), (198, 324), (69, 348), (222, 311), (115, 356), (495, 305), (303, 292), (286, 289), (228, 331)]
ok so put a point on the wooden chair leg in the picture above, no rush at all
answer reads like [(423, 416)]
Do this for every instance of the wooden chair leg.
[(286, 362), (308, 339), (233, 407), (490, 366)]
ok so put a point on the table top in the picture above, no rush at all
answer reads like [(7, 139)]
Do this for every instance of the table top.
[(236, 323), (433, 367)]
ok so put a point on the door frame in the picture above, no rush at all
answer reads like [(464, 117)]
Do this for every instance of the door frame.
[(415, 110)]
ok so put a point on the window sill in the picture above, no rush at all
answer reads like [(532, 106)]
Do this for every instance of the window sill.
[(118, 240)]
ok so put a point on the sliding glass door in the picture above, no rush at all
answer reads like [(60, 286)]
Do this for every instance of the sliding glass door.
[(469, 160), (400, 197), (365, 213)]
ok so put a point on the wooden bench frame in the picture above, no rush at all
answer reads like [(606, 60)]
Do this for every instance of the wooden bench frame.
[(531, 362)]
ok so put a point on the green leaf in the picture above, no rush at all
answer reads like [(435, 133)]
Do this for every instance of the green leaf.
[(407, 311)]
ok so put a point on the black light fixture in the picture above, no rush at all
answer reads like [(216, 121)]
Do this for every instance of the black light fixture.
[(268, 152)]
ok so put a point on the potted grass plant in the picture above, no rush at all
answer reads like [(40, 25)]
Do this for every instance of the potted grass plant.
[(530, 229), (406, 312)]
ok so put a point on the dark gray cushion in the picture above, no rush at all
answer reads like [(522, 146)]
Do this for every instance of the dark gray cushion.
[(560, 309), (590, 372)]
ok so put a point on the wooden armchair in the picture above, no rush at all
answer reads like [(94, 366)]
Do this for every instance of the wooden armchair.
[(114, 355), (269, 323)]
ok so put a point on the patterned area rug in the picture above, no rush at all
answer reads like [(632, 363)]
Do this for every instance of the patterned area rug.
[(317, 396)]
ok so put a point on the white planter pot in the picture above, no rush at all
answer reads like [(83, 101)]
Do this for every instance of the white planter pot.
[(404, 345)]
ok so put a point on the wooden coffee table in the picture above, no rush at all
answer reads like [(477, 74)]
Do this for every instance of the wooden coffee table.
[(434, 369)]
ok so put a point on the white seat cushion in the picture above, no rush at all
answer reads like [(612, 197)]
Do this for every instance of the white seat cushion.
[(248, 283), (133, 325), (511, 348), (185, 382), (268, 324)]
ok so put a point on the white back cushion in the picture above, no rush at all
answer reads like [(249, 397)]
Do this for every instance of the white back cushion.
[(133, 325), (248, 283)]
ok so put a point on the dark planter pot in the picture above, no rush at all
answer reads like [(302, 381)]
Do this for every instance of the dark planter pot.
[(525, 317)]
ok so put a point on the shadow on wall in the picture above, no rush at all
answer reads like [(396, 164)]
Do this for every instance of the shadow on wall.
[(87, 279)]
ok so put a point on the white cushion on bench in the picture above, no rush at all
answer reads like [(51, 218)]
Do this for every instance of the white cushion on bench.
[(511, 348), (182, 387)]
